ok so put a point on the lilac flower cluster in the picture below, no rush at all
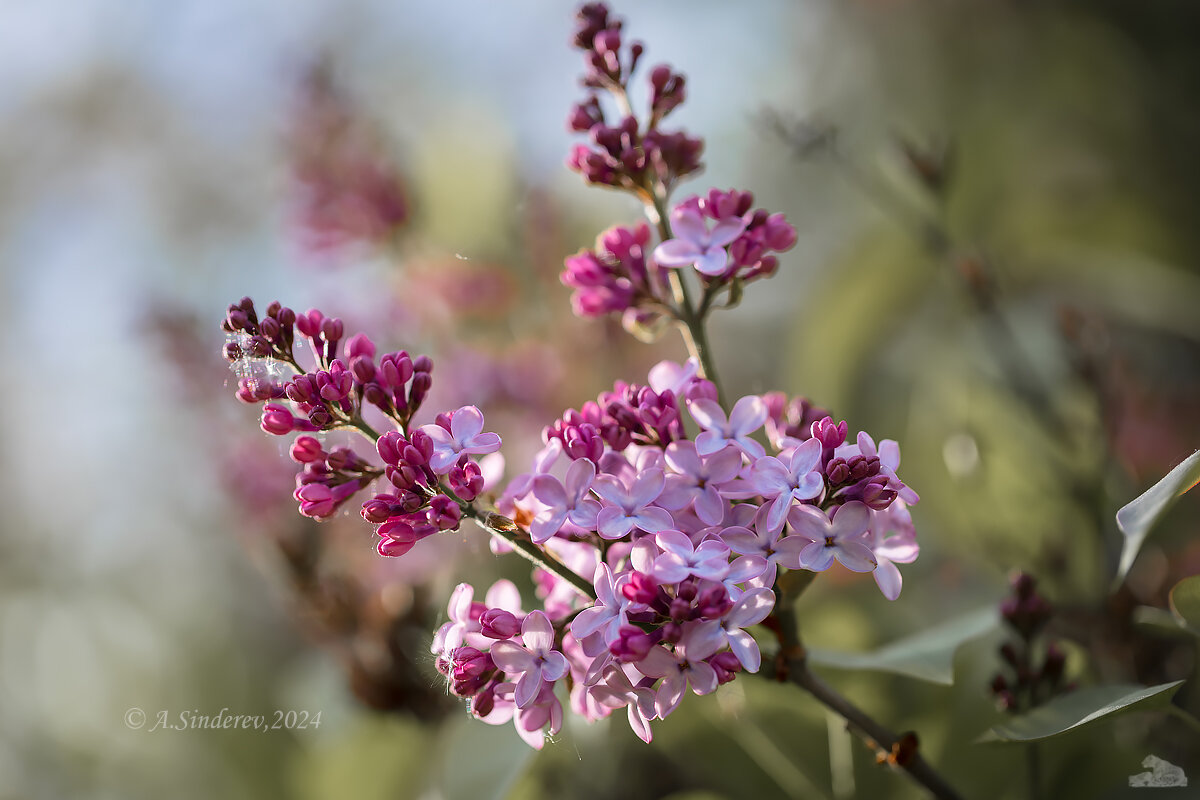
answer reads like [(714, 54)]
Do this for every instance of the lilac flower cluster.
[(727, 241), (682, 538), (659, 519), (340, 393), (623, 153), (1024, 683)]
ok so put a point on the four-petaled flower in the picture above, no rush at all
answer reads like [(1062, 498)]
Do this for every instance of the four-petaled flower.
[(748, 415), (537, 662), (843, 538), (565, 503), (464, 436), (694, 244), (695, 480), (630, 508), (680, 558), (792, 476)]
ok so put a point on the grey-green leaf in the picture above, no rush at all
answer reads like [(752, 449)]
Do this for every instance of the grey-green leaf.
[(1185, 602), (1070, 711), (927, 656), (1138, 517)]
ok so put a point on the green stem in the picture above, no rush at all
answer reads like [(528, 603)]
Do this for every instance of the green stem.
[(793, 667), (691, 320), (504, 528)]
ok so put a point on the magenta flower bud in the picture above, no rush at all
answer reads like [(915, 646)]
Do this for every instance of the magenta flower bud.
[(420, 387), (876, 494), (701, 389), (306, 450), (390, 446), (320, 418), (309, 323), (316, 500), (269, 328), (374, 394), (714, 602), (828, 434), (466, 480), (423, 364), (838, 471), (496, 623), (726, 665), (398, 530), (279, 421), (343, 459), (671, 633), (444, 513), (632, 644), (680, 610), (395, 369), (362, 368), (286, 317), (484, 702), (331, 329), (641, 588), (232, 352), (424, 446), (379, 508), (302, 389), (359, 345)]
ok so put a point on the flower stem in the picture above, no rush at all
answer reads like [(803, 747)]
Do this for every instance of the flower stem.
[(504, 528), (899, 751), (691, 319)]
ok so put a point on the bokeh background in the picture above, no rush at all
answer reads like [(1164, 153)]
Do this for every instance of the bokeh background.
[(997, 266)]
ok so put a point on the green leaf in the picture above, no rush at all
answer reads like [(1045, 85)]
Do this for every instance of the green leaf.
[(927, 656), (1070, 711), (1185, 602), (1138, 517), (1159, 620)]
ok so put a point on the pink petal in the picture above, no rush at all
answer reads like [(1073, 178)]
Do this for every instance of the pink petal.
[(646, 488), (749, 414), (751, 609), (712, 262), (725, 231), (681, 457), (676, 253), (504, 594), (689, 225), (854, 556), (887, 576), (850, 520), (810, 522), (511, 657), (703, 678), (816, 557), (466, 423), (745, 648), (537, 633), (708, 415), (527, 690), (710, 506), (653, 520), (613, 523)]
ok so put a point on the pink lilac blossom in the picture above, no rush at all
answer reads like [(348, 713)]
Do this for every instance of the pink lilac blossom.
[(695, 244)]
